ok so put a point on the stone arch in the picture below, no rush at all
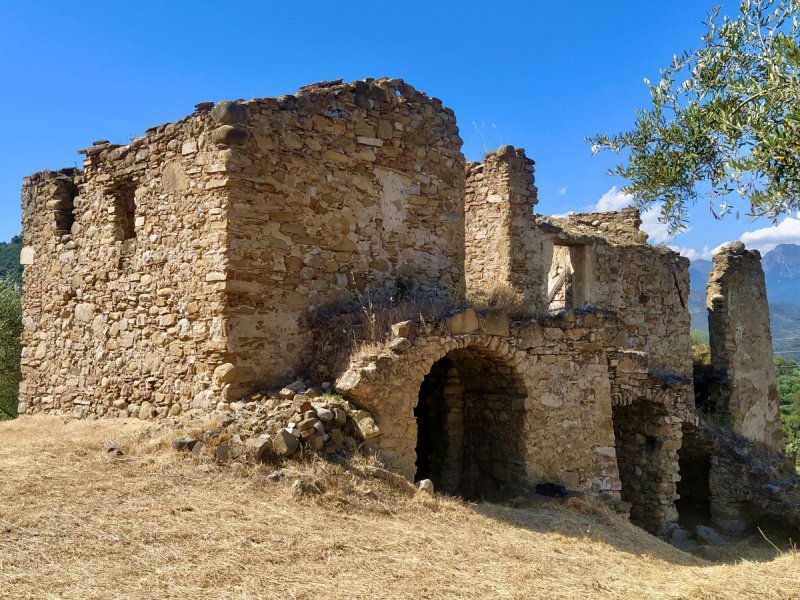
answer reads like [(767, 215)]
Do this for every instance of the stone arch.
[(388, 385), (470, 417)]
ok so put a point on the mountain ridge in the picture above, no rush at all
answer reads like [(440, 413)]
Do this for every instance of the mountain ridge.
[(782, 274)]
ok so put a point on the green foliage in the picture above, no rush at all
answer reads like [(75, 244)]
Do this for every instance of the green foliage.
[(9, 260), (725, 117), (10, 330), (787, 373), (701, 351)]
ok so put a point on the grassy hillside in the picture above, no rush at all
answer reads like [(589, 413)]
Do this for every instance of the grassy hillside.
[(77, 522)]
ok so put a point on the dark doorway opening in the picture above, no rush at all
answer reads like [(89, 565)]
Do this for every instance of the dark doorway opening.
[(470, 426), (694, 465)]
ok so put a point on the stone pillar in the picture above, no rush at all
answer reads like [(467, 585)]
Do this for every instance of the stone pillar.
[(506, 258), (741, 345)]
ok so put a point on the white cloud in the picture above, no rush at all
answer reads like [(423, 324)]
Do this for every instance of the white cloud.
[(562, 191), (766, 238), (613, 199), (692, 254), (657, 231)]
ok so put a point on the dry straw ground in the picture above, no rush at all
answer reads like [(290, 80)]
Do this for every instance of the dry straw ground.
[(78, 523)]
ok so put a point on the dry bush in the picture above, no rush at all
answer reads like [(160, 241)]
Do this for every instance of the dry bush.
[(503, 296), (361, 326)]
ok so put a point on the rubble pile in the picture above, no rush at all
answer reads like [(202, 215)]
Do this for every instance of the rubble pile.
[(286, 422)]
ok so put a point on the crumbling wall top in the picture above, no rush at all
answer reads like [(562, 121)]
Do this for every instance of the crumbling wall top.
[(621, 228)]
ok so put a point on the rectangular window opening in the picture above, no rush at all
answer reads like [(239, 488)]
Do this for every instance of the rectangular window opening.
[(124, 196)]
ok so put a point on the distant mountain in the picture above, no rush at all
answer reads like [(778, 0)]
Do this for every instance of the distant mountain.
[(782, 270), (782, 274), (699, 270)]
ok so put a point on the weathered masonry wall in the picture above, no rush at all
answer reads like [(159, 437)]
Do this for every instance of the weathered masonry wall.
[(507, 257), (123, 301), (612, 267), (552, 393), (340, 188), (647, 414), (741, 345)]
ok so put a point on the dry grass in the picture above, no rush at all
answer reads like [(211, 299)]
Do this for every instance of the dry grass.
[(77, 523)]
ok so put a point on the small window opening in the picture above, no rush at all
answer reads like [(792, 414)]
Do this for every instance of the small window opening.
[(569, 283), (65, 216), (124, 196), (64, 207)]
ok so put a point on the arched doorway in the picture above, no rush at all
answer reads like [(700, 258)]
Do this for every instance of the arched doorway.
[(470, 425)]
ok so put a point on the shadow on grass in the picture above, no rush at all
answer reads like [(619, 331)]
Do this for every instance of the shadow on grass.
[(576, 518)]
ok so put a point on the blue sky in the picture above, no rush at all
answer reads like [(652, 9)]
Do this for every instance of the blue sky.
[(540, 75)]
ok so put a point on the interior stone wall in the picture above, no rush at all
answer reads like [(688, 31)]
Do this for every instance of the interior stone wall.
[(339, 193), (647, 442), (695, 459), (741, 345), (122, 301), (470, 433), (507, 257)]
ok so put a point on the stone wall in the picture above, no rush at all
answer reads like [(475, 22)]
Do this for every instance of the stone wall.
[(741, 345), (611, 266), (183, 271), (507, 257), (560, 369), (340, 191), (122, 299)]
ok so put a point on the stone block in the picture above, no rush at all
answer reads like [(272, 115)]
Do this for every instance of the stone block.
[(26, 255), (284, 443), (402, 329), (229, 135), (463, 322), (368, 428), (258, 446), (228, 112), (495, 322), (230, 373)]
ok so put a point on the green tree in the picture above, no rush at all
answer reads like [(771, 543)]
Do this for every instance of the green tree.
[(10, 330), (725, 119), (787, 373)]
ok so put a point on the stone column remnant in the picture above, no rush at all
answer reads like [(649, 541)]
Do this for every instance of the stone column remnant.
[(741, 344), (506, 257)]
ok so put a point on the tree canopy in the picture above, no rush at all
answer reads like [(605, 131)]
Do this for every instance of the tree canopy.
[(724, 121)]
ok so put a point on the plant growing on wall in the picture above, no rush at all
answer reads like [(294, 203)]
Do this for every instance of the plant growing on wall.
[(724, 118)]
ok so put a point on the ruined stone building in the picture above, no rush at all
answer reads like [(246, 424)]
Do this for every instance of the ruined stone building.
[(183, 270)]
